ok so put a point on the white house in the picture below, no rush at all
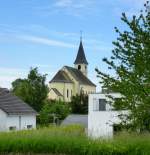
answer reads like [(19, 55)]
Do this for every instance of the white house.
[(101, 116), (14, 113)]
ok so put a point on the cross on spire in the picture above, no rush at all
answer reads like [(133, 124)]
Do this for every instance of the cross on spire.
[(81, 35)]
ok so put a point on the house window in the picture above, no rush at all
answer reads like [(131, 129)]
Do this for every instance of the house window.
[(102, 105), (67, 93), (12, 128), (99, 104), (29, 126)]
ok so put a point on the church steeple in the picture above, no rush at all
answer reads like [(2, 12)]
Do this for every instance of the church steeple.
[(80, 61)]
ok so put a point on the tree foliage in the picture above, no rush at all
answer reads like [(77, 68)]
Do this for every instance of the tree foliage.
[(79, 104), (32, 90), (130, 62), (53, 111)]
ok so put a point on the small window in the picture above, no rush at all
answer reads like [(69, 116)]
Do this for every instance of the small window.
[(12, 128), (102, 105), (79, 67), (29, 126), (99, 104), (67, 93)]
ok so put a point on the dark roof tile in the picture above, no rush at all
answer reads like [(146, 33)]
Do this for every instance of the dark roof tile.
[(81, 59), (12, 105), (61, 76), (79, 76)]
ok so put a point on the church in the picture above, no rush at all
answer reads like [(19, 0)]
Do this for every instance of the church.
[(70, 81)]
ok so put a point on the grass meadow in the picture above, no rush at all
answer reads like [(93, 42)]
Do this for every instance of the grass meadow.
[(71, 140)]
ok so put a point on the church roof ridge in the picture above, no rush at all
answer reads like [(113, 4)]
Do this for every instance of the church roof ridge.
[(79, 76), (61, 76)]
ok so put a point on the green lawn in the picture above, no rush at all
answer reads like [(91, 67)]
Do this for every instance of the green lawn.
[(72, 140)]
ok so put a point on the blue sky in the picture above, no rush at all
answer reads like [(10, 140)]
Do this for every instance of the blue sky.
[(46, 34)]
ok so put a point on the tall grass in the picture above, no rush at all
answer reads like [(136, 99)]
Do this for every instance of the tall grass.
[(72, 140)]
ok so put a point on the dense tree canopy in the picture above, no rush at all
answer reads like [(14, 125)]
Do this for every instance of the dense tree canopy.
[(53, 112), (32, 90), (79, 104), (130, 61)]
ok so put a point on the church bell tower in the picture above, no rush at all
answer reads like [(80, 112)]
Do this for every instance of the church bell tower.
[(80, 61)]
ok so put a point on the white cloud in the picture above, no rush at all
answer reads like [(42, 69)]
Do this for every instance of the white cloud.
[(8, 75), (44, 41), (63, 3), (78, 8), (130, 7)]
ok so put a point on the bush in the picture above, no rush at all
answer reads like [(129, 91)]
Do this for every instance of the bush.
[(53, 111)]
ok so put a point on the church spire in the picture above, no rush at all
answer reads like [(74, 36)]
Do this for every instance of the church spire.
[(81, 59)]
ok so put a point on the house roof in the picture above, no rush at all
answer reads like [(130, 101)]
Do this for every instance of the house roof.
[(79, 76), (76, 119), (56, 91), (81, 59), (13, 105), (61, 76)]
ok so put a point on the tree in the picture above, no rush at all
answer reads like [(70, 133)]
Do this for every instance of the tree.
[(53, 111), (130, 62), (79, 104), (32, 90)]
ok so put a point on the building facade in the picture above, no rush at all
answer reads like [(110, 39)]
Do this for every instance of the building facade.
[(14, 113), (70, 81), (101, 116)]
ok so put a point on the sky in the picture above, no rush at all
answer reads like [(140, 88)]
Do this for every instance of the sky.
[(46, 34)]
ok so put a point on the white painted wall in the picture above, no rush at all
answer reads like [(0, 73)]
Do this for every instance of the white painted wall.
[(7, 121), (13, 120), (3, 118), (100, 123)]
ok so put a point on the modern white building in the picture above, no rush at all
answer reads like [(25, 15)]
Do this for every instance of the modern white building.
[(101, 116), (14, 113)]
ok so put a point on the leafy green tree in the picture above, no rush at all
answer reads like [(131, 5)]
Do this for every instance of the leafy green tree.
[(79, 104), (130, 62), (53, 111), (32, 90)]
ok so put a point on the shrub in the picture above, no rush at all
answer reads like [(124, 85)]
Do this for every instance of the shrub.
[(53, 111)]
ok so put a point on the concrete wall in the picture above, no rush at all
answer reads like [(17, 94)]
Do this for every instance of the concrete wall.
[(52, 95), (3, 118), (84, 68), (100, 123), (62, 88), (87, 89), (20, 122)]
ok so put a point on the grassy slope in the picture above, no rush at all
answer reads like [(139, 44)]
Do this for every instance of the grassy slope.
[(71, 140)]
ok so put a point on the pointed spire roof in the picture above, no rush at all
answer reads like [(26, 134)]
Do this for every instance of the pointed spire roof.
[(81, 59)]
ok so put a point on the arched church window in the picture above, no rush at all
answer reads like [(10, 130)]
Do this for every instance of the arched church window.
[(79, 67), (67, 93), (85, 67)]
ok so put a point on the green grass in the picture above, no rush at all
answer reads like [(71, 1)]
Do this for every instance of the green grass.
[(72, 140)]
